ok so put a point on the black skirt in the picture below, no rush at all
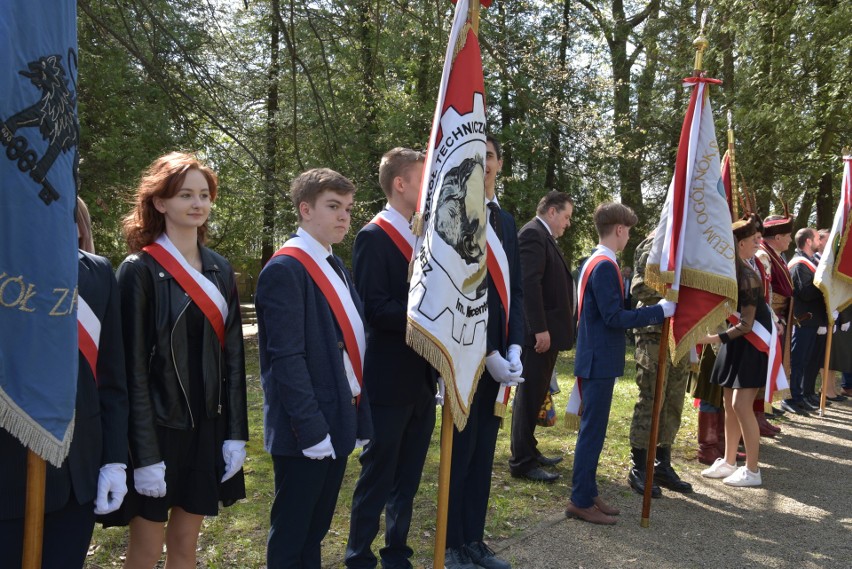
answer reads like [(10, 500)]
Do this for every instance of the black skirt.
[(740, 365)]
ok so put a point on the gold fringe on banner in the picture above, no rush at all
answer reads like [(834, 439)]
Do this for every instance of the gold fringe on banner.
[(431, 349), (572, 421), (499, 410), (709, 322), (779, 395)]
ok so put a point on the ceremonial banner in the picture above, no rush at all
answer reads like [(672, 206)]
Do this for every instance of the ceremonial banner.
[(834, 273), (692, 259), (38, 238), (726, 182), (448, 296)]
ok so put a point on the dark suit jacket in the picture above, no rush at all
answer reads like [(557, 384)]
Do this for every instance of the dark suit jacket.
[(548, 287), (306, 393), (601, 341), (393, 373), (100, 412), (808, 298)]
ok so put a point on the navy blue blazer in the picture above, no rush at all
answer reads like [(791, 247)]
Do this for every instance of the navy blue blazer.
[(100, 411), (601, 342), (306, 393), (393, 373)]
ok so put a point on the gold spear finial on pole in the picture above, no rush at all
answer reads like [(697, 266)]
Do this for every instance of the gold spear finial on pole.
[(700, 44), (733, 166)]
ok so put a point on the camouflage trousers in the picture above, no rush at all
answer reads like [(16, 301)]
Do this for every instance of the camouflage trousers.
[(671, 410)]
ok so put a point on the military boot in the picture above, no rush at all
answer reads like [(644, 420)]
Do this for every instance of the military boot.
[(665, 475), (636, 477)]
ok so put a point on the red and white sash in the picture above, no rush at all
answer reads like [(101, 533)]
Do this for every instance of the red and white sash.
[(340, 301), (397, 228), (801, 260), (88, 334), (498, 270), (769, 342), (574, 406), (203, 292)]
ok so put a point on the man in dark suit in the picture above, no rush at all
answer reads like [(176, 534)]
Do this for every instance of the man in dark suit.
[(96, 463), (315, 412), (473, 448), (400, 382), (549, 310), (599, 359)]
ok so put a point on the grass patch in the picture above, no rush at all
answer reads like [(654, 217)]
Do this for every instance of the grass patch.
[(237, 537)]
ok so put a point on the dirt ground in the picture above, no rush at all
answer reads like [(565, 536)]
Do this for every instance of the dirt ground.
[(800, 518)]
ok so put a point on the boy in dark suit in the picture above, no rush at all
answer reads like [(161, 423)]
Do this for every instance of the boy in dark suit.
[(401, 383), (599, 358), (311, 340), (549, 310), (473, 448)]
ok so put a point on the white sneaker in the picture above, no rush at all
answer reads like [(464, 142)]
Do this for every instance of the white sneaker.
[(743, 477), (720, 469)]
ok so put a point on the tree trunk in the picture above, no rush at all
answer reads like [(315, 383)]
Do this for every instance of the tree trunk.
[(270, 189)]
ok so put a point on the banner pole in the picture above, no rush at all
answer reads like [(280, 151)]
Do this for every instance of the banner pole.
[(34, 512), (826, 373), (443, 486), (655, 422)]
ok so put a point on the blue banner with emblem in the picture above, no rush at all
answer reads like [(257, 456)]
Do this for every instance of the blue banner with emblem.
[(39, 136)]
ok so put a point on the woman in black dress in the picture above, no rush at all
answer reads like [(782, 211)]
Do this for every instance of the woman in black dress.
[(740, 368), (185, 365)]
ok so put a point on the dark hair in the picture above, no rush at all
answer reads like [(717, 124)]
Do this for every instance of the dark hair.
[(608, 215), (802, 236), (162, 180), (555, 199), (394, 163), (307, 186), (498, 149)]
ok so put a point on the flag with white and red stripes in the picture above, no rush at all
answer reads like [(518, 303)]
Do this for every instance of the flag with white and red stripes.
[(692, 259), (834, 273)]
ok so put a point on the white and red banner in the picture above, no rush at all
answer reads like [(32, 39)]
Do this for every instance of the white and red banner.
[(448, 297), (764, 337), (834, 273), (498, 270), (397, 228), (692, 260), (88, 334)]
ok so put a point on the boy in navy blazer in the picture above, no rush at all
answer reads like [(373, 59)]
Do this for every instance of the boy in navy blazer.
[(599, 358), (314, 410)]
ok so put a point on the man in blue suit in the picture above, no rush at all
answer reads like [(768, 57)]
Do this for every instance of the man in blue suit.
[(473, 448), (314, 408), (599, 358), (401, 383)]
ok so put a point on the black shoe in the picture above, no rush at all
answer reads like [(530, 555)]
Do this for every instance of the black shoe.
[(815, 400), (545, 461), (777, 412), (458, 559), (807, 405), (484, 557), (837, 398), (636, 476), (794, 407), (665, 475), (538, 475)]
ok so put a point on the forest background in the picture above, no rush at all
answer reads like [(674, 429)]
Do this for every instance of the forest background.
[(586, 96)]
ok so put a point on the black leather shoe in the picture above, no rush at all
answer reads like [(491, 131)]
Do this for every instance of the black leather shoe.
[(538, 475), (815, 400), (837, 398), (794, 407), (483, 556), (458, 559), (545, 461), (807, 405)]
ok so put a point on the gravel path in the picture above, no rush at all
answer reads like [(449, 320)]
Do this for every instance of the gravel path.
[(800, 518)]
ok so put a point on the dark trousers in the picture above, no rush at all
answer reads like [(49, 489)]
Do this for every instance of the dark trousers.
[(801, 350), (67, 533), (305, 496), (813, 365), (470, 476), (391, 466), (529, 398), (597, 400)]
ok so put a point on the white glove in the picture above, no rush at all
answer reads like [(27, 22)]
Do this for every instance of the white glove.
[(668, 307), (439, 397), (361, 443), (112, 488), (513, 355), (151, 480), (845, 326), (822, 331), (234, 453), (835, 315), (322, 449), (499, 368)]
